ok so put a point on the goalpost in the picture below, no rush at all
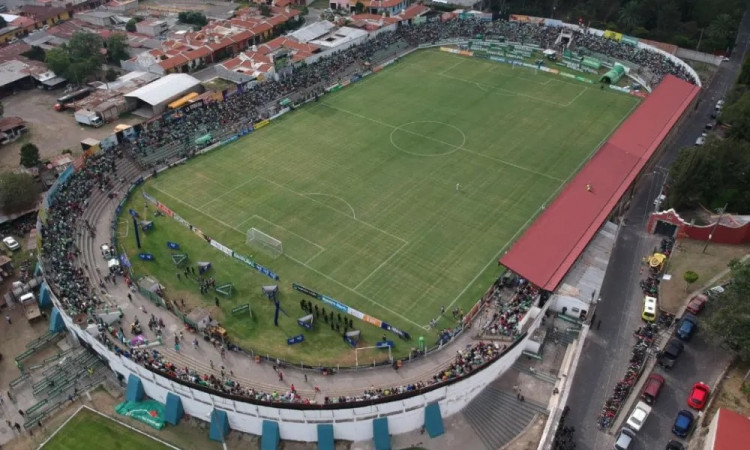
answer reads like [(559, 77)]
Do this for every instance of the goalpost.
[(258, 239)]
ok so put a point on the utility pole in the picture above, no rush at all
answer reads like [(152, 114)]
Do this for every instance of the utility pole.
[(716, 225)]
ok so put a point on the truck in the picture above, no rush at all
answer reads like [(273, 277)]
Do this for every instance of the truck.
[(30, 306), (62, 102), (90, 118)]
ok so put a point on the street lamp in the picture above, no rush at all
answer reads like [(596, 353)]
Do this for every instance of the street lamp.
[(720, 211)]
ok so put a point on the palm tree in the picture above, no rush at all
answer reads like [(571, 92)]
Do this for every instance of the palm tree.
[(721, 31), (629, 15)]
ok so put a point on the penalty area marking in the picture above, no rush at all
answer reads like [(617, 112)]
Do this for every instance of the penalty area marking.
[(302, 263), (354, 216)]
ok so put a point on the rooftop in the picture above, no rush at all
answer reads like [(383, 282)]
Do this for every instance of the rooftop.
[(732, 428), (164, 88), (552, 244)]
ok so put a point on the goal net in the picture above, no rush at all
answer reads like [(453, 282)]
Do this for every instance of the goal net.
[(262, 241)]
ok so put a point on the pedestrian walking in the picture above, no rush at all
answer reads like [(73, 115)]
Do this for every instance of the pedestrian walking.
[(281, 376), (21, 413), (7, 317), (130, 297), (17, 426), (211, 363), (305, 378), (599, 324), (10, 425)]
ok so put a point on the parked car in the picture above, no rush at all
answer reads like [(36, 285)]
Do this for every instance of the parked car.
[(651, 389), (700, 141), (697, 303), (670, 354), (675, 445), (720, 104), (624, 439), (11, 243), (638, 417), (682, 423), (687, 327), (709, 126), (699, 395), (715, 291)]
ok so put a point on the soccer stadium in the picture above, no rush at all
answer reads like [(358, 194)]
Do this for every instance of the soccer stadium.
[(370, 208)]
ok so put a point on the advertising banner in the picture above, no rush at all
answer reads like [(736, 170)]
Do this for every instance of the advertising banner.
[(222, 248), (163, 208), (244, 259), (261, 124)]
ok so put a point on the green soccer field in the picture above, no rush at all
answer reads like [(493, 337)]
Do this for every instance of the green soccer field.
[(89, 430), (395, 196)]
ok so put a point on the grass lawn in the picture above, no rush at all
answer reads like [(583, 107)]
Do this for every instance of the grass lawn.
[(91, 430), (361, 188)]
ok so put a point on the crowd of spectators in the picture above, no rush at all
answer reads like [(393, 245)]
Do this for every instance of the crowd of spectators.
[(505, 322), (239, 111)]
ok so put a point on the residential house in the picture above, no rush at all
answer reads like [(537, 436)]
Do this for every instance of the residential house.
[(11, 128), (122, 6), (151, 27), (45, 15)]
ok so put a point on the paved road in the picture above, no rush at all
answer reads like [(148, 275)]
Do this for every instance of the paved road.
[(607, 350)]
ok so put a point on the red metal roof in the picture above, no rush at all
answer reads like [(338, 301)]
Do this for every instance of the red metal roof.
[(732, 429), (549, 248)]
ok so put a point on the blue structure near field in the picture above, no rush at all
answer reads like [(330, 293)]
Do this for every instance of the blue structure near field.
[(45, 299), (433, 420), (134, 392), (325, 436), (173, 411), (380, 435), (219, 425), (270, 438), (56, 323)]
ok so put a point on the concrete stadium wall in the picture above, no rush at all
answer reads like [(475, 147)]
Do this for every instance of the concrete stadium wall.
[(721, 234), (353, 424), (698, 56)]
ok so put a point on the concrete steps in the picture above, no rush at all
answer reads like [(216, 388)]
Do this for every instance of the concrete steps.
[(498, 417)]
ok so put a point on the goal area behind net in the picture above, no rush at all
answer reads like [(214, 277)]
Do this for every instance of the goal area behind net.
[(264, 242)]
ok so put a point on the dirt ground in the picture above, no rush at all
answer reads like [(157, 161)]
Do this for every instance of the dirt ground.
[(688, 255), (49, 130)]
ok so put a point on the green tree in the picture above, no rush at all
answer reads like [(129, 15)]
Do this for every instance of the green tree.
[(110, 75), (728, 317), (130, 26), (720, 34), (29, 155), (117, 45), (737, 115), (79, 58), (265, 10), (196, 18), (18, 192), (629, 16), (690, 277), (359, 7)]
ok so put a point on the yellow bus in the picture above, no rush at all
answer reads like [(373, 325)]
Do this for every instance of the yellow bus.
[(179, 103)]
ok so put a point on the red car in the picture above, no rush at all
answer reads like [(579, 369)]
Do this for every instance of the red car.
[(697, 303), (698, 396)]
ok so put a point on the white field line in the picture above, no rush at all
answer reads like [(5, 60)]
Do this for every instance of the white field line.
[(554, 194), (127, 229), (255, 216), (461, 147), (302, 263), (449, 68), (167, 444), (382, 264), (354, 216), (348, 288), (335, 210), (226, 193)]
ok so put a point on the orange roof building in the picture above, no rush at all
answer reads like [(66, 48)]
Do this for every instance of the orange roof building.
[(727, 431)]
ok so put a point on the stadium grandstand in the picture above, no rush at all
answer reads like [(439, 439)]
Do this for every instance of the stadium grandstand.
[(542, 255)]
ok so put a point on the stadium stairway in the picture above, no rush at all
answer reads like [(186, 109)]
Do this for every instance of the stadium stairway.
[(498, 417)]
